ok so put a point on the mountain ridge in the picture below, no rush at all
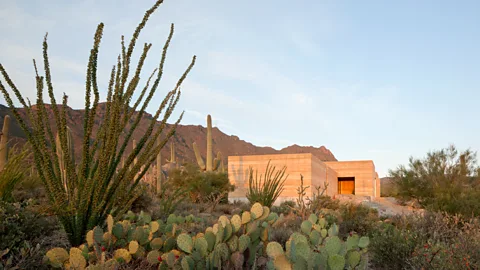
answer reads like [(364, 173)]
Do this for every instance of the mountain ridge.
[(185, 135)]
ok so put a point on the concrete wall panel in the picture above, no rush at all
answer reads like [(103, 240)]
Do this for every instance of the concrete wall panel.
[(315, 173)]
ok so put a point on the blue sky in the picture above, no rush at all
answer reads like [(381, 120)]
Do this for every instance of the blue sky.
[(379, 80)]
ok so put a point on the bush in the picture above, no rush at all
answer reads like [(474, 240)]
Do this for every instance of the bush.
[(18, 224), (444, 180), (391, 247), (357, 218), (201, 186), (285, 207), (12, 173), (432, 241)]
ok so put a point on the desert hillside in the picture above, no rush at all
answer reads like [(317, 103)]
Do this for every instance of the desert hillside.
[(185, 135)]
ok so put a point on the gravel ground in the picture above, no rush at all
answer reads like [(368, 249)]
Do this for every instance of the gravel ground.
[(386, 206)]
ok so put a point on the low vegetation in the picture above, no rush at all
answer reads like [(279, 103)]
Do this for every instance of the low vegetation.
[(266, 191), (446, 180), (98, 213), (231, 243)]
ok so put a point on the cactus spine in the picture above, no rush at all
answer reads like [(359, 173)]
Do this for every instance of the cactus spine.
[(211, 163), (4, 142)]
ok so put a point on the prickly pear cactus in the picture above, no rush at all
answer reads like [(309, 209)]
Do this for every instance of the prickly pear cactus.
[(57, 257), (185, 242), (235, 242), (274, 249), (257, 210), (336, 262)]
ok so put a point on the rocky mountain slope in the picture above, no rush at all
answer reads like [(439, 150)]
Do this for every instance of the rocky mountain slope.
[(228, 145)]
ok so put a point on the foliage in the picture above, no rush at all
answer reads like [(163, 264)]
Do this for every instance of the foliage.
[(18, 224), (201, 186), (267, 191), (26, 257), (357, 218), (12, 173), (445, 180), (231, 243), (431, 241), (285, 207), (82, 196), (170, 197)]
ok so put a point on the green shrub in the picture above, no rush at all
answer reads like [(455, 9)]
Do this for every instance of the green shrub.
[(391, 248), (285, 207), (201, 186), (357, 218), (320, 202), (18, 224), (12, 173), (445, 180), (170, 197), (266, 191), (431, 241)]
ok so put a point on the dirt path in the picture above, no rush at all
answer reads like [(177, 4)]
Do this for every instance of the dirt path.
[(386, 206)]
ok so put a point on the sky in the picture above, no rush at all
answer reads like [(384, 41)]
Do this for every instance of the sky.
[(379, 80)]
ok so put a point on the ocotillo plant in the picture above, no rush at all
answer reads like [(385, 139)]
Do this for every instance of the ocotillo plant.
[(159, 170), (94, 188), (4, 142), (61, 156), (266, 191), (212, 164)]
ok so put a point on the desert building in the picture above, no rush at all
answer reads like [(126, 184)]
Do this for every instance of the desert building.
[(341, 177)]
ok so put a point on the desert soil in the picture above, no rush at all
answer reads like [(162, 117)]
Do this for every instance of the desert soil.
[(386, 206)]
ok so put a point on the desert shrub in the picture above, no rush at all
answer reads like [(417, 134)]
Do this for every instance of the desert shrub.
[(12, 173), (267, 191), (357, 218), (391, 247), (170, 197), (225, 209), (201, 186), (445, 180), (432, 241), (144, 200), (282, 233), (18, 224), (323, 201), (30, 187), (285, 207)]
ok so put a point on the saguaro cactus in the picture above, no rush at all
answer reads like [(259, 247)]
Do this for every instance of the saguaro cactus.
[(4, 142), (200, 162), (212, 164), (173, 156), (209, 143), (172, 153)]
